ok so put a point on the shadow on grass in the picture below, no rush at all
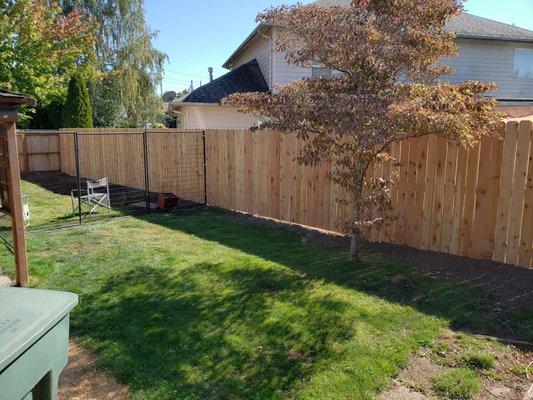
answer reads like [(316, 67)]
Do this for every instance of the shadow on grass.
[(211, 331), (465, 305)]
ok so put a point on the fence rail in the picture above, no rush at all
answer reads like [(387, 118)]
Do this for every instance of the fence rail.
[(476, 203)]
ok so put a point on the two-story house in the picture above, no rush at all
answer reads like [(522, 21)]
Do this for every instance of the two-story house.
[(489, 51)]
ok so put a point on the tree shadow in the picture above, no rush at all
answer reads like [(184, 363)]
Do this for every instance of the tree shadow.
[(209, 331), (467, 305)]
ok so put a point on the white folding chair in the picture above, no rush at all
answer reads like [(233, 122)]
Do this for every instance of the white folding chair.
[(26, 210), (96, 195)]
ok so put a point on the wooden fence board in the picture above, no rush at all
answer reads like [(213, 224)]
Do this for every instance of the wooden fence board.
[(431, 162), (449, 191), (472, 167), (506, 184), (525, 250), (458, 201), (517, 196), (39, 151), (482, 203)]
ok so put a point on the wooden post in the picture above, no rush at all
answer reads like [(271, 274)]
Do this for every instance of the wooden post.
[(15, 196), (10, 195)]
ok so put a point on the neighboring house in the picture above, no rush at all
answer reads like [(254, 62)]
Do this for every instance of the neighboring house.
[(489, 51)]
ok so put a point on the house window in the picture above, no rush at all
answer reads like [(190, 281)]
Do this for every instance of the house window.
[(523, 63), (319, 72)]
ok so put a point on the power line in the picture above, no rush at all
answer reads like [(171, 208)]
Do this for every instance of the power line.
[(176, 80), (184, 73)]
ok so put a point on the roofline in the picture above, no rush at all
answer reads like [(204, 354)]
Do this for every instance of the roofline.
[(16, 99), (519, 100), (186, 104), (240, 49), (495, 38)]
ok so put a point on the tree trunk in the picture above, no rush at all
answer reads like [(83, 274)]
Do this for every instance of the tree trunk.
[(355, 247), (356, 242)]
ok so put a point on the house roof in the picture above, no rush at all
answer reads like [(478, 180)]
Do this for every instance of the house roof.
[(467, 25), (246, 78), (464, 26), (471, 26), (13, 98)]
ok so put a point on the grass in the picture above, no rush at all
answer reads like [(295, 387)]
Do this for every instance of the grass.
[(47, 207), (479, 360), (457, 384), (200, 305)]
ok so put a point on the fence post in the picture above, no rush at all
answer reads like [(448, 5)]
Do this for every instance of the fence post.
[(78, 176), (205, 167), (146, 171)]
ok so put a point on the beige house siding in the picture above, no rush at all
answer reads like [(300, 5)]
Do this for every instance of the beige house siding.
[(259, 49), (215, 117), (484, 60), (283, 72), (491, 61)]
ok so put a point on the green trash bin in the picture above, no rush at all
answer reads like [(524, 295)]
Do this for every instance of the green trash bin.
[(34, 329)]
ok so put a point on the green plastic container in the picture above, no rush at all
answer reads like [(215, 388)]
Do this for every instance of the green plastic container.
[(34, 329)]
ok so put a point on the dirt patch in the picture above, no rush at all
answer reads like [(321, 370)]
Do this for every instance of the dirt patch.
[(510, 286), (508, 380), (82, 381)]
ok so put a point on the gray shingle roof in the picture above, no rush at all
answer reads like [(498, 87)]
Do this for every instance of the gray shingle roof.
[(467, 25), (243, 79)]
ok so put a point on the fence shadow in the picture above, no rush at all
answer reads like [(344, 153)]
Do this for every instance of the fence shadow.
[(52, 181), (466, 304)]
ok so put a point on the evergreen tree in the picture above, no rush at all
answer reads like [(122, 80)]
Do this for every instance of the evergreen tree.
[(78, 112)]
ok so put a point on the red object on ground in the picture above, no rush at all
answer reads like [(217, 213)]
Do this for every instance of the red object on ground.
[(166, 200)]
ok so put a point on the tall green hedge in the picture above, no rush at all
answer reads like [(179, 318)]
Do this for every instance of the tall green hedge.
[(77, 112)]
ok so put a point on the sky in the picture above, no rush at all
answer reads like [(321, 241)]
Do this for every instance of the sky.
[(204, 33)]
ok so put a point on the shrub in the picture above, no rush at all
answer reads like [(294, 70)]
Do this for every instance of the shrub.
[(78, 112), (457, 384), (479, 361), (49, 116)]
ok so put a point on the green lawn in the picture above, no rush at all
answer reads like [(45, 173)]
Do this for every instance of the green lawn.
[(47, 207), (199, 305)]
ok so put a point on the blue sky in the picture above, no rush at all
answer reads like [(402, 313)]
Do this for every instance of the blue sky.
[(203, 33)]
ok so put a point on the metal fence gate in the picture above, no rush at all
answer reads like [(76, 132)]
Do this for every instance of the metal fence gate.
[(101, 174)]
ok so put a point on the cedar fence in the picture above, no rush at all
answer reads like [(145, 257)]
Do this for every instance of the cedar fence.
[(476, 203), (38, 150)]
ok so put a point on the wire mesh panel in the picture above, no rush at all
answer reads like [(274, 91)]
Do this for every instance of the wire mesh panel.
[(176, 168), (74, 177), (112, 175)]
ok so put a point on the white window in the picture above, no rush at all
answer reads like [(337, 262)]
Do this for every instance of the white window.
[(523, 63)]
